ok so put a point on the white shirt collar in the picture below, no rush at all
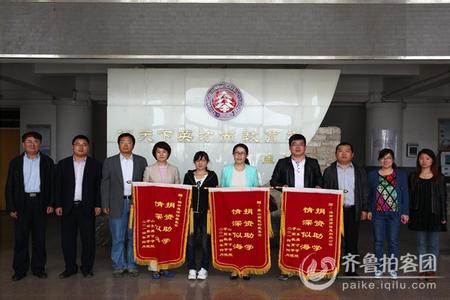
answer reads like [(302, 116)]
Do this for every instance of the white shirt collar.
[(342, 167), (124, 158), (82, 160), (38, 155), (302, 162)]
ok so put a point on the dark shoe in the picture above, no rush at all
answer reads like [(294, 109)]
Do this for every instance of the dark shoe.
[(156, 275), (167, 273), (422, 276), (133, 272), (41, 275), (430, 277), (66, 274), (284, 277), (118, 273), (17, 276), (233, 276), (246, 277), (87, 274)]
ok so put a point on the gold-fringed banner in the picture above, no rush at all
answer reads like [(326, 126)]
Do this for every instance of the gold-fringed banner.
[(310, 231), (240, 228), (161, 216)]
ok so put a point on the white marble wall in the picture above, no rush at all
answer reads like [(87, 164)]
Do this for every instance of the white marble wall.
[(276, 104)]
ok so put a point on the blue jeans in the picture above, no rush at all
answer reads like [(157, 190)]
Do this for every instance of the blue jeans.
[(428, 242), (120, 231), (386, 227), (199, 231)]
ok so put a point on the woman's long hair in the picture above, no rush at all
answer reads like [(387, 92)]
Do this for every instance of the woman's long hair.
[(434, 167)]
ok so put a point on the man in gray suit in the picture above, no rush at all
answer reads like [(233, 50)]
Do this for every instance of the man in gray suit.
[(118, 173)]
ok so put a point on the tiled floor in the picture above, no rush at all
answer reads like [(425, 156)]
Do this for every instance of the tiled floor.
[(218, 286)]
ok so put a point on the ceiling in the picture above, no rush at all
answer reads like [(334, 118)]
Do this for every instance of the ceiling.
[(360, 81)]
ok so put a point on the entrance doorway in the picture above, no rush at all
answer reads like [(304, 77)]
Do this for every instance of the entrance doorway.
[(10, 147)]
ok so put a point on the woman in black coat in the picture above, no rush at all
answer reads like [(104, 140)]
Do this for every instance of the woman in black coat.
[(200, 178), (428, 207)]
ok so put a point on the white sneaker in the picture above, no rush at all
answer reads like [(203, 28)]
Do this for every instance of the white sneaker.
[(378, 273), (202, 274), (393, 274), (192, 274)]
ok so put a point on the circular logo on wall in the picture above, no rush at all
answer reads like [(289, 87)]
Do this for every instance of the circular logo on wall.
[(224, 101)]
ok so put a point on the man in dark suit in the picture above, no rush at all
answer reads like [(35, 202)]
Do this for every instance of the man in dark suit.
[(29, 198), (297, 170), (345, 175), (78, 203), (119, 171)]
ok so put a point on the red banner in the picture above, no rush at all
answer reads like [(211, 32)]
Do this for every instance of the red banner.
[(240, 228), (161, 214), (310, 231)]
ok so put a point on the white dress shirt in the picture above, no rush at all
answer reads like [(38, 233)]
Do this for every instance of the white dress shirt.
[(78, 166), (127, 173), (346, 181), (299, 173), (32, 174)]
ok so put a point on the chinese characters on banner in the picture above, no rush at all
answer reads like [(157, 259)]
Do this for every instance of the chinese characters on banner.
[(310, 233), (161, 214), (240, 228)]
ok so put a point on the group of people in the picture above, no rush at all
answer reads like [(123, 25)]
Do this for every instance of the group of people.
[(80, 188)]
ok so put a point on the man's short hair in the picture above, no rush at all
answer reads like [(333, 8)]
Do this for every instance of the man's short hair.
[(32, 134), (296, 137), (344, 144), (80, 137), (126, 134)]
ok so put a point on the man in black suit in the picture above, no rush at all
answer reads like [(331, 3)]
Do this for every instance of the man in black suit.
[(345, 175), (29, 198), (78, 179), (297, 170)]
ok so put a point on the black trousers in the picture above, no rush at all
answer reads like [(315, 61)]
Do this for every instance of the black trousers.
[(78, 220), (351, 231), (200, 231), (32, 220)]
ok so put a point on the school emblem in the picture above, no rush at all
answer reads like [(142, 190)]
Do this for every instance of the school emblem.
[(224, 101)]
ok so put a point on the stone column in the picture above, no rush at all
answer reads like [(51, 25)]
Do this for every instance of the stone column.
[(383, 130)]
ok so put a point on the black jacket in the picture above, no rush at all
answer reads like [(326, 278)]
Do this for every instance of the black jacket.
[(283, 174), (200, 199), (438, 196), (65, 185), (362, 203), (15, 188)]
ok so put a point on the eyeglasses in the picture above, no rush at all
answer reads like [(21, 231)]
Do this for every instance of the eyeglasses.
[(386, 158), (240, 153)]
